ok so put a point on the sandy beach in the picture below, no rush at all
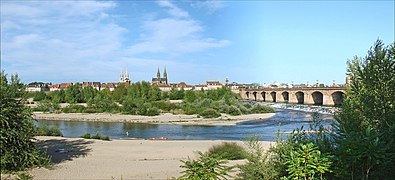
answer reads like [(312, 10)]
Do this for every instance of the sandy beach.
[(167, 118), (76, 158)]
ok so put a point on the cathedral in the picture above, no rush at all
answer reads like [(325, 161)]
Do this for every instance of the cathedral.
[(124, 78), (160, 81)]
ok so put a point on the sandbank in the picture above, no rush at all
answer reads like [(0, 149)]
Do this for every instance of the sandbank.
[(119, 159), (166, 118)]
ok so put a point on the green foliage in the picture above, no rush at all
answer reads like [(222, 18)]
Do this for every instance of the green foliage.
[(227, 150), (18, 151), (86, 136), (88, 93), (57, 96), (74, 108), (260, 165), (95, 136), (44, 130), (47, 106), (210, 113), (205, 168), (307, 162), (190, 96), (364, 142), (39, 96), (120, 93), (233, 110), (73, 94), (262, 109)]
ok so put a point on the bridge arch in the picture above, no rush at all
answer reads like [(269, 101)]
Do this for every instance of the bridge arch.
[(285, 96), (263, 96), (248, 95), (254, 94), (273, 94), (338, 98), (299, 97), (318, 98)]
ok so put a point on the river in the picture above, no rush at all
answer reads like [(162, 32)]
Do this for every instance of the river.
[(285, 120)]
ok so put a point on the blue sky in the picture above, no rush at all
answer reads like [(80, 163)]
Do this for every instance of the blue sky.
[(246, 41)]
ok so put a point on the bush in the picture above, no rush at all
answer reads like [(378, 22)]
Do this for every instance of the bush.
[(44, 130), (227, 150), (86, 136), (262, 109), (74, 108), (210, 113), (233, 110), (205, 168), (105, 138), (165, 105), (152, 111), (47, 106), (96, 136)]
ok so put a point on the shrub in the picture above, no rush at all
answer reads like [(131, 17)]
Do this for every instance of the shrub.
[(96, 136), (105, 138), (227, 150), (210, 113), (74, 108), (189, 109), (47, 106), (44, 130), (262, 109), (307, 162), (165, 105), (233, 110), (205, 168), (152, 111), (86, 136)]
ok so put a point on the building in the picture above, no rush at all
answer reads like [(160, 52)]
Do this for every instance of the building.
[(213, 85), (160, 81), (124, 78), (94, 85), (182, 85), (37, 86), (57, 87)]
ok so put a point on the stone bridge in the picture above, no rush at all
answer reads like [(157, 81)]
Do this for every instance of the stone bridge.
[(327, 96)]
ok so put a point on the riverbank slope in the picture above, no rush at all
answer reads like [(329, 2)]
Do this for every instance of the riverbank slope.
[(166, 118), (77, 158)]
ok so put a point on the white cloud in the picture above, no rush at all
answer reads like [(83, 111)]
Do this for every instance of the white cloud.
[(210, 6), (173, 9), (174, 35)]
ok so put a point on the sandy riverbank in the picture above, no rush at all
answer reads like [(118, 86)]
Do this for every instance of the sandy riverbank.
[(119, 159), (167, 118)]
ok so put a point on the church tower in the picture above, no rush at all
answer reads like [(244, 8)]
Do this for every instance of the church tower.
[(121, 76), (165, 75), (158, 74), (126, 77)]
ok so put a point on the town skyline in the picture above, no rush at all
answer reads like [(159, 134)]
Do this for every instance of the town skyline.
[(246, 42)]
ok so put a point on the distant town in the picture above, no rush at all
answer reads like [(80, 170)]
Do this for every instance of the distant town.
[(163, 84)]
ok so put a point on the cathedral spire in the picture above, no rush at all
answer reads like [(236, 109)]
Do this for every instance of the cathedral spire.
[(121, 76), (126, 75), (158, 73), (164, 73)]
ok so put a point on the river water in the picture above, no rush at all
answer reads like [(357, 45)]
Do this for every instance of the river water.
[(285, 120)]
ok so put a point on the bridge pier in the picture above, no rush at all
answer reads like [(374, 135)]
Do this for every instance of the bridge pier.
[(292, 97)]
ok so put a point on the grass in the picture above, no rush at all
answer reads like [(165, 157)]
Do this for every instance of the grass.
[(228, 151), (95, 136), (44, 130)]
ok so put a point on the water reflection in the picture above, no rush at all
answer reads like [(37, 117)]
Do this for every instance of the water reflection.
[(285, 120)]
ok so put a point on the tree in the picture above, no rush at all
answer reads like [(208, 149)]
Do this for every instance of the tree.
[(88, 93), (365, 128), (73, 94), (16, 128), (39, 96), (120, 93)]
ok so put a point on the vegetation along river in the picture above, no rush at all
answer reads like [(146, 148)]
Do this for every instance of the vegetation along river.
[(285, 120)]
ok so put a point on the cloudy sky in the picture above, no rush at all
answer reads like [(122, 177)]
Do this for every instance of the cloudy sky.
[(246, 41)]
